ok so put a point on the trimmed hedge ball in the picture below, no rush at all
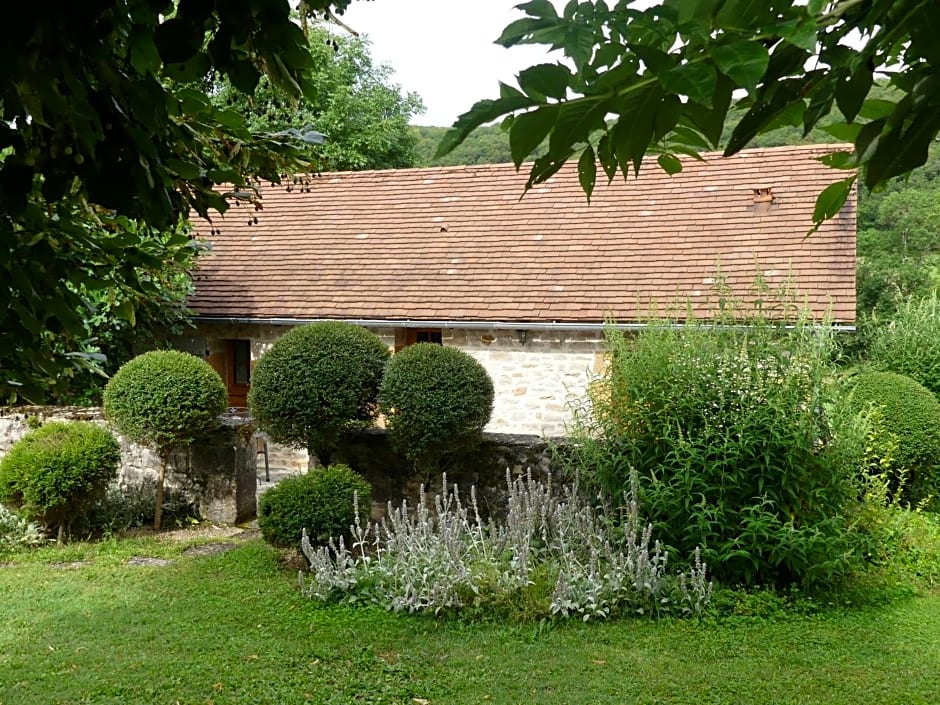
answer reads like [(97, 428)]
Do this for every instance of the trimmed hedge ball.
[(57, 472), (322, 502), (316, 382), (165, 399), (911, 412), (436, 401)]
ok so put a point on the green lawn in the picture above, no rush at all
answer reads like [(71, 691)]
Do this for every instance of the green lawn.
[(233, 628)]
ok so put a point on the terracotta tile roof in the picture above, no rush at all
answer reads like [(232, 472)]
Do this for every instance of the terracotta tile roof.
[(458, 243)]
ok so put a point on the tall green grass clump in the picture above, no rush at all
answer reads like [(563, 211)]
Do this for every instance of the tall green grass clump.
[(728, 431), (908, 343)]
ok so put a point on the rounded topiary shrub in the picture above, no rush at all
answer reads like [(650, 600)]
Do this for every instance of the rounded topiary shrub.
[(322, 502), (436, 400), (912, 413), (316, 382), (57, 472), (165, 399)]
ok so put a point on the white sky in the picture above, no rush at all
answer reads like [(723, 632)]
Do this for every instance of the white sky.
[(443, 50)]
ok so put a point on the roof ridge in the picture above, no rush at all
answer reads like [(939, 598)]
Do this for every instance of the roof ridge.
[(808, 148)]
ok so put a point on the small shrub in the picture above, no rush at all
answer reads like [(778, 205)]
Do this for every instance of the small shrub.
[(165, 399), (55, 473), (320, 503), (316, 382), (16, 532), (907, 344), (553, 555), (436, 400), (908, 412)]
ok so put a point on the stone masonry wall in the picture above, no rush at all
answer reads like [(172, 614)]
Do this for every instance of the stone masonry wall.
[(218, 473), (534, 380), (393, 477)]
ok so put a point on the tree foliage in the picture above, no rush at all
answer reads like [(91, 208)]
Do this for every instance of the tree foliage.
[(363, 115), (661, 81), (102, 124), (898, 252)]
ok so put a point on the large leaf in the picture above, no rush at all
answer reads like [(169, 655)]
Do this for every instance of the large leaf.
[(670, 163), (545, 80), (710, 119), (634, 129), (587, 171), (482, 112), (852, 90), (899, 152), (843, 131), (831, 200), (528, 130), (742, 62), (695, 80), (761, 115)]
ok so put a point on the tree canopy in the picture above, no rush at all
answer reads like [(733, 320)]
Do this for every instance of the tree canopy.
[(363, 114), (661, 81), (105, 129)]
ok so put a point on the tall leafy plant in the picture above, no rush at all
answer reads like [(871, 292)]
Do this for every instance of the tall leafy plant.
[(728, 431)]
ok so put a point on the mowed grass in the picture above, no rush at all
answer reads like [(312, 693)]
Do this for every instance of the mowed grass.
[(233, 628)]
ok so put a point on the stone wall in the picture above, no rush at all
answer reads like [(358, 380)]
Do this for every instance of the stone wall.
[(218, 473), (536, 374), (393, 478)]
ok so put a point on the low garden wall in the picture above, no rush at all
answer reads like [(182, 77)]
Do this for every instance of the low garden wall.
[(393, 477), (218, 474)]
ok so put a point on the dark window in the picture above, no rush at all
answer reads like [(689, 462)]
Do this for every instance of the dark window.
[(241, 361), (424, 335)]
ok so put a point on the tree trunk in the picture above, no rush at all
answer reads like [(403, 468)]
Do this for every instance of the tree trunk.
[(158, 509)]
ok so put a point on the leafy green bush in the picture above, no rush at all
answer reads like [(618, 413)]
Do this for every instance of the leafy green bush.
[(165, 399), (316, 382), (436, 400), (322, 502), (55, 473), (909, 412), (727, 429), (907, 344), (17, 532)]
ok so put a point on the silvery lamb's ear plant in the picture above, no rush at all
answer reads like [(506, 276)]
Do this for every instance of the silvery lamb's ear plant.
[(440, 556)]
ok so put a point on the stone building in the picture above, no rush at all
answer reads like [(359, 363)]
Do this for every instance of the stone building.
[(524, 283)]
